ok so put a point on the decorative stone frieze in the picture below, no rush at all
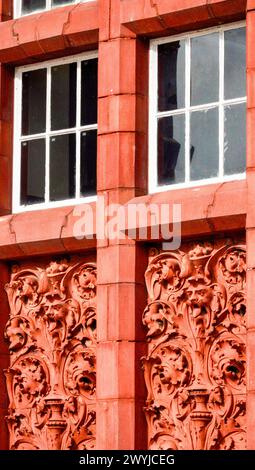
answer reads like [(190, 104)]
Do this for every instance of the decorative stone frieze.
[(195, 367), (52, 338)]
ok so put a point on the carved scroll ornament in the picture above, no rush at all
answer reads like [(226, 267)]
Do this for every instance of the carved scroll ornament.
[(52, 377), (195, 367)]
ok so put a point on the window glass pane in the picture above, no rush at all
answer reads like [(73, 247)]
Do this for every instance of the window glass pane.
[(235, 63), (204, 144), (61, 2), (62, 167), (205, 69), (171, 149), (171, 75), (88, 162), (235, 139), (34, 102), (32, 5), (89, 92), (63, 96), (32, 171)]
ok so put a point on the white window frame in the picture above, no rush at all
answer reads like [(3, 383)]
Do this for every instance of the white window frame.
[(18, 138), (17, 7), (154, 114)]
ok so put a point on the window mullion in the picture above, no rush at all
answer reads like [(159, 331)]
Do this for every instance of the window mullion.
[(187, 112), (47, 143), (17, 8), (78, 133), (221, 105)]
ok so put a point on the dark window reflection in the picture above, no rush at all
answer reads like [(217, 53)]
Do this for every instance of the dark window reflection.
[(171, 76), (62, 167), (204, 138), (235, 139), (32, 5), (63, 96), (89, 92), (32, 171), (61, 2), (34, 102), (235, 63), (88, 162), (171, 150)]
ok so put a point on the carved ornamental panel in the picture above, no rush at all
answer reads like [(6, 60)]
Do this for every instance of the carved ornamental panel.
[(52, 336), (195, 367)]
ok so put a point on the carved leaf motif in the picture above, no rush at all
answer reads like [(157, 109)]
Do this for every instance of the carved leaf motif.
[(195, 367), (52, 337)]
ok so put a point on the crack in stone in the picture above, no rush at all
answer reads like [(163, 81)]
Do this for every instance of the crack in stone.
[(210, 207), (154, 5)]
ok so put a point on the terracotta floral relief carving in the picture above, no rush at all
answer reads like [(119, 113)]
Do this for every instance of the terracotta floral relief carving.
[(195, 367), (52, 337)]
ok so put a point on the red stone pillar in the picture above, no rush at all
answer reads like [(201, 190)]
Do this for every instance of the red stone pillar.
[(4, 358), (250, 224), (6, 7), (6, 99), (121, 263)]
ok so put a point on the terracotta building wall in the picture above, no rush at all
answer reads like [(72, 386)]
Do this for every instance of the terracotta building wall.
[(120, 30)]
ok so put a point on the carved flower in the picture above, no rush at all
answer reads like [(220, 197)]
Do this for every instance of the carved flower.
[(163, 276), (16, 333), (172, 369), (233, 266), (56, 267), (216, 401), (30, 380), (201, 250), (164, 442), (237, 308), (23, 291), (155, 319), (228, 362), (234, 441), (85, 282)]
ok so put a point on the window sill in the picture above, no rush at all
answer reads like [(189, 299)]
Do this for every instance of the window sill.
[(54, 205), (18, 14), (178, 16), (208, 209), (51, 32), (41, 232), (197, 184)]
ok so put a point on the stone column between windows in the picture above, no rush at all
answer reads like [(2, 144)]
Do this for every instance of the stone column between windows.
[(121, 263), (6, 100), (250, 224)]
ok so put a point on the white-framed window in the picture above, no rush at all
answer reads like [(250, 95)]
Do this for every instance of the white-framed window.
[(197, 117), (55, 133), (26, 7)]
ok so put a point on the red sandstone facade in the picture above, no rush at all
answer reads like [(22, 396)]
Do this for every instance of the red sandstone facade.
[(72, 382)]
